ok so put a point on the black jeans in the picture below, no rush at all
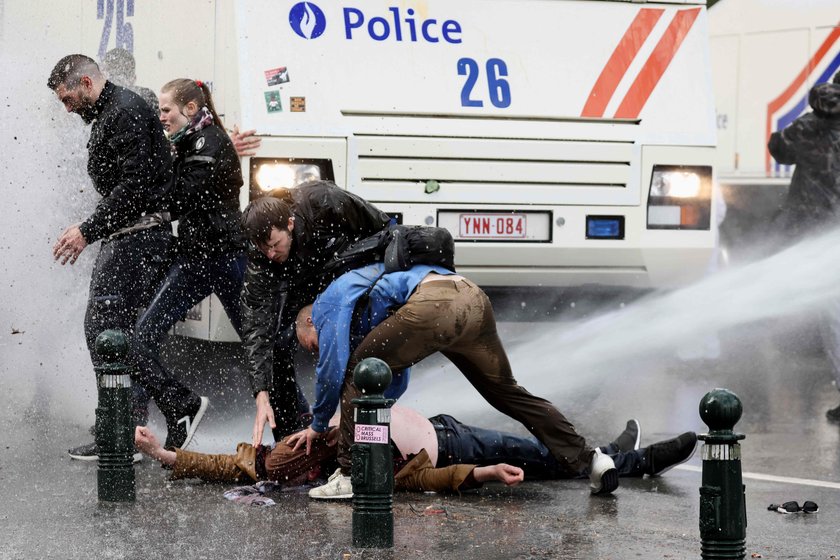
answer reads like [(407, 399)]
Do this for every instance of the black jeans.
[(126, 272), (462, 444), (188, 281)]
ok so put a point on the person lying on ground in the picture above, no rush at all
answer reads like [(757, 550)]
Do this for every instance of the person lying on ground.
[(437, 454)]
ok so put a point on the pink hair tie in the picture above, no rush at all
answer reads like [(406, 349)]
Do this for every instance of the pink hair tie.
[(198, 83)]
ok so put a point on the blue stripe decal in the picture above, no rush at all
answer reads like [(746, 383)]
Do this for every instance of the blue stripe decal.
[(797, 110)]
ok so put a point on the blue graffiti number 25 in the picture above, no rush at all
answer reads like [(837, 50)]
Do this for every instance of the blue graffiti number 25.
[(497, 87), (109, 10)]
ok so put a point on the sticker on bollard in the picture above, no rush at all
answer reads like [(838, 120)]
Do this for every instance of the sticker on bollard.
[(366, 433), (372, 462)]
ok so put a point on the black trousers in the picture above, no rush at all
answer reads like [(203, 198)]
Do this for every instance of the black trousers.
[(462, 444), (291, 409), (127, 271)]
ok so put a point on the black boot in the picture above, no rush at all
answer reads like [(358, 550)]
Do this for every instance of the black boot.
[(665, 455)]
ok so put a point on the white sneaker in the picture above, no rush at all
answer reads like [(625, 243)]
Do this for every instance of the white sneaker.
[(603, 476), (338, 487)]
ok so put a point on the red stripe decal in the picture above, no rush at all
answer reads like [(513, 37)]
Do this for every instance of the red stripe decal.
[(656, 64), (619, 61), (797, 82)]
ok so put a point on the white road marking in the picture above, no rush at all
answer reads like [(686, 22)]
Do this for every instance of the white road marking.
[(774, 478)]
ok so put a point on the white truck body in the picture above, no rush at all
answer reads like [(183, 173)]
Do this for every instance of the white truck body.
[(529, 128), (766, 56)]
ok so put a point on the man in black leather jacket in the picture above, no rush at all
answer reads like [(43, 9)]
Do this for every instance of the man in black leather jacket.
[(812, 143), (293, 235), (130, 166)]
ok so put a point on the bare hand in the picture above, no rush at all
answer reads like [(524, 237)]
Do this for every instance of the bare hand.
[(502, 472), (245, 143), (332, 436), (307, 435), (145, 440), (70, 245), (265, 415)]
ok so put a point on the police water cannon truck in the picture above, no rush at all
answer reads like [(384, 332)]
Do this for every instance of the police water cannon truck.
[(562, 142)]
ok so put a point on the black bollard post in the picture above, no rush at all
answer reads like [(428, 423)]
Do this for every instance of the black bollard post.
[(373, 464), (114, 427), (723, 514)]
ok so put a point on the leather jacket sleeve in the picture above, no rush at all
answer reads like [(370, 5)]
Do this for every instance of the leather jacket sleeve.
[(263, 294), (129, 145)]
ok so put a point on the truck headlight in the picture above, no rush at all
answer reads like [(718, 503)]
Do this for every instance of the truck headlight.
[(268, 174), (678, 184), (680, 197)]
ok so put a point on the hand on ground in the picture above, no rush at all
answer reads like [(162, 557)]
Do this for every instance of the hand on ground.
[(145, 440), (502, 472)]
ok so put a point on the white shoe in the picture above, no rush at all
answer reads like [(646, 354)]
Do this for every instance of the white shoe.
[(603, 476), (338, 487)]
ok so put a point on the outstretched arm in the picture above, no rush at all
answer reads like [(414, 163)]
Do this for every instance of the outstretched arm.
[(146, 441), (502, 472)]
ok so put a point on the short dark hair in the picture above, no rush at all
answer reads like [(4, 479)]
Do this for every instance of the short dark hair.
[(263, 214), (70, 70), (836, 79)]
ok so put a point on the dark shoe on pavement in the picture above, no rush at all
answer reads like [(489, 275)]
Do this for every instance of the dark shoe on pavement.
[(603, 476), (181, 430), (90, 452), (629, 439), (663, 456), (86, 452), (833, 414)]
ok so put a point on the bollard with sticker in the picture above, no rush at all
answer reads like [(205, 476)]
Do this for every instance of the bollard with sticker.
[(723, 514), (373, 465)]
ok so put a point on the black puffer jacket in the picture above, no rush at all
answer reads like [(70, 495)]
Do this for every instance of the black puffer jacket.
[(812, 142), (205, 198), (327, 219), (128, 161)]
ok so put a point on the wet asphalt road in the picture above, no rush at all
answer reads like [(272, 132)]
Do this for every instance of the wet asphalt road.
[(48, 506)]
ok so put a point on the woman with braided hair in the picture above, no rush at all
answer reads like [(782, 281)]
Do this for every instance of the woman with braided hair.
[(210, 250)]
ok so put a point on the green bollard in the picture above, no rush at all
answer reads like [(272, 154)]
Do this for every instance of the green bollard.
[(723, 513), (114, 426), (373, 463)]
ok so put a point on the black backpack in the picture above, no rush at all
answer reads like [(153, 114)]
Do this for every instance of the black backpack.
[(398, 247)]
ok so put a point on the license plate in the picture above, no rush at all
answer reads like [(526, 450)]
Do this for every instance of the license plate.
[(492, 226)]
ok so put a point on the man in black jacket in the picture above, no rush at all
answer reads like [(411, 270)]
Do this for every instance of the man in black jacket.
[(130, 166), (812, 143), (293, 234)]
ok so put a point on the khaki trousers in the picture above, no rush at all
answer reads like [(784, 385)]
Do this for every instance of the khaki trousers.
[(456, 319)]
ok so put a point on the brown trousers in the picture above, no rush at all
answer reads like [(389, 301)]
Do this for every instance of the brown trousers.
[(456, 319)]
